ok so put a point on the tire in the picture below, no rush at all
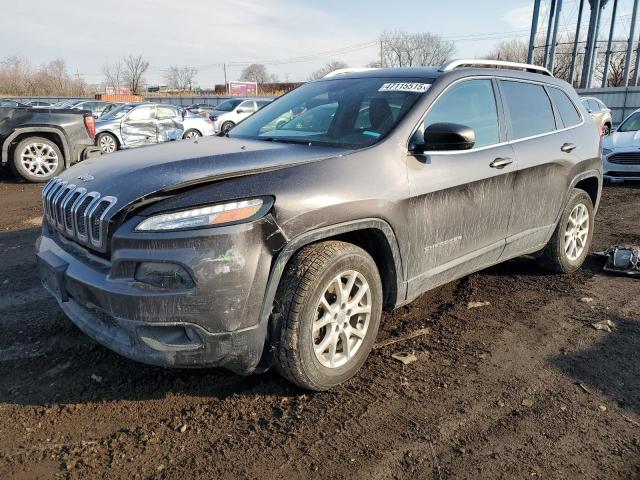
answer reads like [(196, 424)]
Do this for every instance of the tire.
[(559, 255), (606, 129), (107, 142), (320, 361), (37, 159), (226, 126), (191, 133)]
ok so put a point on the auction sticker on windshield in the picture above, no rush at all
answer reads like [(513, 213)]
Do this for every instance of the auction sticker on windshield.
[(405, 87)]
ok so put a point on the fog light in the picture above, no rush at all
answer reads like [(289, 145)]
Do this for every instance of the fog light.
[(164, 275)]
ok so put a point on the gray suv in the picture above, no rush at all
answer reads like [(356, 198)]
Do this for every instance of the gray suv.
[(281, 244)]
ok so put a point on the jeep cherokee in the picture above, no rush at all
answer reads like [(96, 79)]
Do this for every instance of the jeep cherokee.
[(279, 245)]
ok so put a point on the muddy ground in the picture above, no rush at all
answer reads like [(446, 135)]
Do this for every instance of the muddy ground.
[(521, 388)]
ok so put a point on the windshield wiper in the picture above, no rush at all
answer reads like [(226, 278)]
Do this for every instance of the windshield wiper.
[(295, 141)]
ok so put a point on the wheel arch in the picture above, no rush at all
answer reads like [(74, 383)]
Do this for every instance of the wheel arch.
[(374, 235), (55, 135)]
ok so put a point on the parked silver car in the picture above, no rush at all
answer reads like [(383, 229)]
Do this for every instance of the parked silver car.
[(96, 107), (138, 124), (600, 113), (621, 151), (231, 112)]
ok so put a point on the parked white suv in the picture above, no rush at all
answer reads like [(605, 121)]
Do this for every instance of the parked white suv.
[(230, 112)]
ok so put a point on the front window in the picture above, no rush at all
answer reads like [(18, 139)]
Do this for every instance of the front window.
[(117, 112), (631, 124), (347, 112), (228, 105)]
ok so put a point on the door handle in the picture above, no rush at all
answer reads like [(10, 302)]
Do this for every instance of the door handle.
[(501, 162), (568, 147)]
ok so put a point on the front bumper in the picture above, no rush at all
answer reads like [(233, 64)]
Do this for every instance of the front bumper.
[(218, 322), (619, 171)]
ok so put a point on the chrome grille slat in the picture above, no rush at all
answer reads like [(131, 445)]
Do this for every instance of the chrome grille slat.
[(625, 158), (77, 214)]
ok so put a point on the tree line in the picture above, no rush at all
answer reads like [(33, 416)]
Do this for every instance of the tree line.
[(397, 49)]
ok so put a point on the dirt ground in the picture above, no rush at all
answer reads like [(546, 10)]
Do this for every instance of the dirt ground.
[(521, 388)]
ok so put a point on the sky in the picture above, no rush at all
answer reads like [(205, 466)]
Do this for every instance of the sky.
[(292, 38)]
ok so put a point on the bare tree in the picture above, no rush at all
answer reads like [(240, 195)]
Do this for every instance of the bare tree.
[(180, 78), (113, 75), (327, 68), (510, 51), (18, 77), (402, 49), (257, 72), (134, 70)]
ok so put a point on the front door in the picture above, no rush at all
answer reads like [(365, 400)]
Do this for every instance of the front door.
[(460, 200), (139, 127)]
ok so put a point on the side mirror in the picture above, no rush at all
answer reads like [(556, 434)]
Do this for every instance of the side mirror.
[(446, 136)]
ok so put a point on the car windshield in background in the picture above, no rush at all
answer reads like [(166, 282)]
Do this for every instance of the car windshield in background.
[(351, 112), (631, 124), (228, 105), (117, 112)]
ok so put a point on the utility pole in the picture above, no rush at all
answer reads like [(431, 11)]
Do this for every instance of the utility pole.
[(381, 56), (554, 37), (592, 35), (627, 60), (637, 70), (532, 36), (226, 84), (576, 40), (608, 52)]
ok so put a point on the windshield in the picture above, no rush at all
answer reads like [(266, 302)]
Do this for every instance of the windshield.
[(352, 113), (117, 112), (228, 105), (631, 124)]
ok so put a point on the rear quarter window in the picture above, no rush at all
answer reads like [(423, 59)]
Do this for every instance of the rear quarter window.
[(566, 108), (529, 108)]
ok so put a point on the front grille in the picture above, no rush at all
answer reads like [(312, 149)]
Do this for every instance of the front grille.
[(625, 158), (76, 213)]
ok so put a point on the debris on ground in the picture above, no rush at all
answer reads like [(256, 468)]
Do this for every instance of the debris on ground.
[(603, 408), (402, 338), (405, 358), (605, 325), (527, 402), (96, 378), (584, 387), (586, 299), (182, 428), (622, 259), (471, 305)]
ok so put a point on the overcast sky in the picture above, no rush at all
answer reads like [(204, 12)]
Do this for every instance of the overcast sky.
[(292, 38)]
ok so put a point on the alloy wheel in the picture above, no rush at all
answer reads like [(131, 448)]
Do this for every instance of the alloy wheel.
[(39, 159), (342, 319), (107, 144), (576, 232)]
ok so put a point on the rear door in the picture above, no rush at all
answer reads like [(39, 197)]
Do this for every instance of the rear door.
[(169, 123), (460, 200), (539, 139), (139, 127)]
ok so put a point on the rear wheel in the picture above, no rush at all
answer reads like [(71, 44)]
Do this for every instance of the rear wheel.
[(107, 143), (569, 245), (37, 159), (331, 300), (192, 133), (226, 126)]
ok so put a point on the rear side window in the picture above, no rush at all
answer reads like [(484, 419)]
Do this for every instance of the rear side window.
[(529, 109), (565, 107), (471, 103)]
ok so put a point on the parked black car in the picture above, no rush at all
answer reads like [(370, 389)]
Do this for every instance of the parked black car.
[(39, 143), (280, 245)]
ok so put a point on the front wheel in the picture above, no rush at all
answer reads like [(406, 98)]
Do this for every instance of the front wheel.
[(107, 143), (226, 126), (330, 298), (37, 159), (569, 245)]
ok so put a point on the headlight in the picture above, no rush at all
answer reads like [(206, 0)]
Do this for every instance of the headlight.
[(202, 216), (606, 151)]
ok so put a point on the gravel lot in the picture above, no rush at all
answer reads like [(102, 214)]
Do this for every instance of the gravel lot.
[(521, 388)]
